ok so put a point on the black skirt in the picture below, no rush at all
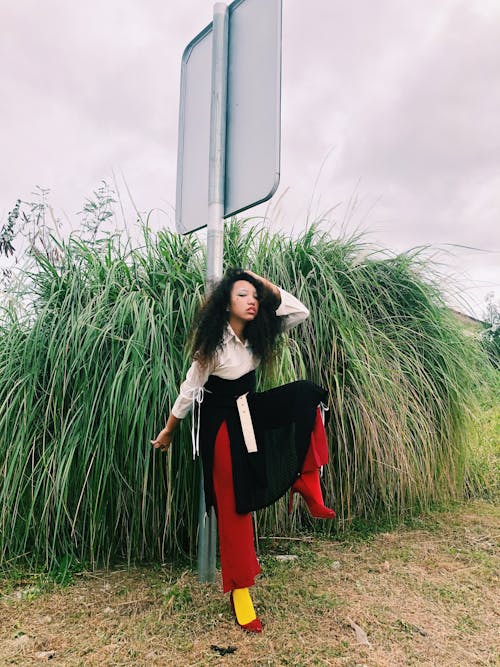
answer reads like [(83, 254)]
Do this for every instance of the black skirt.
[(283, 419)]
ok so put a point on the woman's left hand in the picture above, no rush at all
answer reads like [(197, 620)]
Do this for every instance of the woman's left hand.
[(267, 284)]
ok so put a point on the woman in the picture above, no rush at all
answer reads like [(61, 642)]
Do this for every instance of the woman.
[(254, 446)]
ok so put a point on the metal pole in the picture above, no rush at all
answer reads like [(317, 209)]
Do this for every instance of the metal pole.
[(207, 526)]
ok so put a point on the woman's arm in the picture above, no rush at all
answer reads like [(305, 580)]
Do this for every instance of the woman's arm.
[(196, 377), (291, 310)]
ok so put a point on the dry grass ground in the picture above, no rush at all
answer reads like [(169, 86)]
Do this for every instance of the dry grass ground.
[(424, 595)]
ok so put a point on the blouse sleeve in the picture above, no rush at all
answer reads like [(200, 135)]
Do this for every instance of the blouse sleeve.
[(196, 377), (291, 309)]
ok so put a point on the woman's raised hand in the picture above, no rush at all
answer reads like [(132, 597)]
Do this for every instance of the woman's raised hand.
[(267, 283), (257, 277)]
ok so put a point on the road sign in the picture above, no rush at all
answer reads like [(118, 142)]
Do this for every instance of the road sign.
[(252, 162), (229, 145)]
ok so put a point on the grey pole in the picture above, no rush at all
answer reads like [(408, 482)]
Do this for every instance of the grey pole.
[(207, 526)]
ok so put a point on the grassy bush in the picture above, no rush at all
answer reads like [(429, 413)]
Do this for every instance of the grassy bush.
[(88, 374), (482, 468)]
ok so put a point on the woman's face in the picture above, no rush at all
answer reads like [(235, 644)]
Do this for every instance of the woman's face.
[(243, 302)]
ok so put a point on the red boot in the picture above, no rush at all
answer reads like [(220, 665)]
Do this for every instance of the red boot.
[(309, 487)]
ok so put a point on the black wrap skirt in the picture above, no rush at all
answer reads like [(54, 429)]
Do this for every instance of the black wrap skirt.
[(283, 419)]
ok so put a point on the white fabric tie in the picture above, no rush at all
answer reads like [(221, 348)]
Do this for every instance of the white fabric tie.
[(322, 409), (198, 396)]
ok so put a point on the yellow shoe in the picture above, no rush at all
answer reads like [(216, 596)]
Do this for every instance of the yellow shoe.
[(244, 611)]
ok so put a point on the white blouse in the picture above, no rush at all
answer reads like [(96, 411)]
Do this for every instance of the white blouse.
[(235, 358)]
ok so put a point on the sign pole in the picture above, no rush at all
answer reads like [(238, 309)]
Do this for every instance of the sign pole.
[(207, 526)]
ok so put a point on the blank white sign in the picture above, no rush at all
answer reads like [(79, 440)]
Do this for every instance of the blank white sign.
[(253, 115)]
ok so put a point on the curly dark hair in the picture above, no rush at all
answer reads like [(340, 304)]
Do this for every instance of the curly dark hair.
[(210, 324)]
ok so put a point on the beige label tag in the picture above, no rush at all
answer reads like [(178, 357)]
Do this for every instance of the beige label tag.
[(246, 424)]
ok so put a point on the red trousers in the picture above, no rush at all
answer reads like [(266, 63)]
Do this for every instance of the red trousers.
[(238, 560)]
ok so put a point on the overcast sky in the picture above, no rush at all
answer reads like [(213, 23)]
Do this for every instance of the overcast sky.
[(393, 102)]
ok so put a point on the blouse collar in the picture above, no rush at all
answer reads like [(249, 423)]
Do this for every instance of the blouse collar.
[(229, 333)]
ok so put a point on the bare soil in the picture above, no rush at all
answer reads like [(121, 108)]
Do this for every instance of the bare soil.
[(425, 594)]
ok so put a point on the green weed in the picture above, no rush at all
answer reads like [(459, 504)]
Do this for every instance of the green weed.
[(92, 363)]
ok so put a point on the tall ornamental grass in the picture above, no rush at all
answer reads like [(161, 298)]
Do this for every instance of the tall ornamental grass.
[(89, 372)]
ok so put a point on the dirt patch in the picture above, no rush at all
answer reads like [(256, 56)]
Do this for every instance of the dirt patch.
[(425, 595)]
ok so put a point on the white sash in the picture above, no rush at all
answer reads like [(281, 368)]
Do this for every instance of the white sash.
[(246, 424)]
